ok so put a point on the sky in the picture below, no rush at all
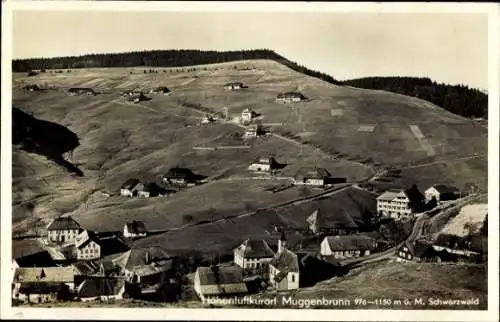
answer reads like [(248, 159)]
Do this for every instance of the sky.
[(447, 47)]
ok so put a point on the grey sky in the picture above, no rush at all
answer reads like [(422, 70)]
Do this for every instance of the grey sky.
[(448, 47)]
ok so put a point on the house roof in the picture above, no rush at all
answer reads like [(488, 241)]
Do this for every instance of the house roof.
[(161, 88), (413, 194), (420, 249), (40, 259), (40, 287), (63, 223), (255, 248), (136, 227), (234, 84), (290, 95), (94, 287), (150, 187), (218, 280), (388, 195), (265, 160), (337, 219), (141, 256), (442, 189), (312, 173), (350, 242), (248, 110), (45, 274), (179, 173), (86, 267), (452, 241), (81, 89), (85, 237), (130, 184), (286, 261)]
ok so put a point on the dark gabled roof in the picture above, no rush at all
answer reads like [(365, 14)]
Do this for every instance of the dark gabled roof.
[(81, 89), (86, 237), (220, 275), (234, 84), (337, 219), (255, 248), (86, 267), (316, 173), (93, 287), (151, 187), (351, 242), (130, 184), (139, 96), (420, 249), (286, 261), (452, 241), (443, 189), (63, 223), (139, 256), (40, 287), (291, 95), (136, 227), (40, 259), (161, 89), (179, 173)]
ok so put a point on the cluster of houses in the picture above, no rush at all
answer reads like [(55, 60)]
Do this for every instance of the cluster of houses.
[(286, 97), (95, 268), (81, 91), (402, 204)]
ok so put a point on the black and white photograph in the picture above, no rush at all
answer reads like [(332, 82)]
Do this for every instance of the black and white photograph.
[(313, 159)]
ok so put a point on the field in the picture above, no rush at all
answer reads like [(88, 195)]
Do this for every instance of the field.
[(118, 141)]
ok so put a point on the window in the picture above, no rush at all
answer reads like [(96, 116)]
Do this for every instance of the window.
[(293, 278)]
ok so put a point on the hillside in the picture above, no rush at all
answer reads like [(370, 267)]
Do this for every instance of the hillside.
[(351, 132), (460, 100)]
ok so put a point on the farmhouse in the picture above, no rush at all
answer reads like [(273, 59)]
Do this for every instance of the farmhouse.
[(441, 192), (398, 204), (347, 246), (134, 229), (62, 229), (248, 115), (253, 254), (207, 119), (42, 284), (233, 86), (179, 176), (31, 88), (460, 246), (263, 165), (102, 289), (87, 246), (253, 131), (219, 281), (137, 98), (81, 91), (130, 92), (290, 97), (147, 268), (313, 177), (129, 187), (151, 189), (325, 222), (160, 90), (418, 251)]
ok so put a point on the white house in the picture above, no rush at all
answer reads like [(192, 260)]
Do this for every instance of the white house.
[(219, 281), (247, 115), (253, 254), (128, 188), (102, 289), (284, 268), (207, 119), (160, 90), (290, 97), (42, 284), (233, 86), (263, 165), (347, 246), (313, 177), (87, 246), (134, 229), (252, 131), (62, 230), (440, 192), (398, 204)]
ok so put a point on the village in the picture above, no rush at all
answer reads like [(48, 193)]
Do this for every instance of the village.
[(77, 264)]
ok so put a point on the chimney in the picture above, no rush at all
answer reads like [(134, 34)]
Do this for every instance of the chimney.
[(282, 242)]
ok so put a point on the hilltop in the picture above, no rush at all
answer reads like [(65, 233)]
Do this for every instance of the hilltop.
[(352, 132), (460, 100)]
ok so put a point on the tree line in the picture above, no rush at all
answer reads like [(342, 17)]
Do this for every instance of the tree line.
[(457, 99)]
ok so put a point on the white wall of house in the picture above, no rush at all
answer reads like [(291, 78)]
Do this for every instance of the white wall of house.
[(68, 235), (128, 234), (432, 193), (260, 167), (197, 285), (126, 192), (144, 194), (90, 251), (290, 282), (396, 208), (118, 296), (326, 251)]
